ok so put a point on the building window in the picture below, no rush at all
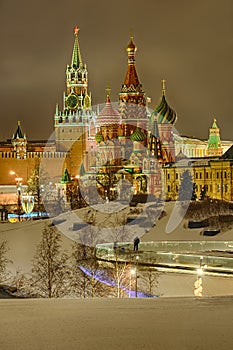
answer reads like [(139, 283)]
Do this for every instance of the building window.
[(226, 188), (218, 188), (168, 188), (217, 175), (200, 175), (196, 175), (168, 176), (177, 176), (225, 174)]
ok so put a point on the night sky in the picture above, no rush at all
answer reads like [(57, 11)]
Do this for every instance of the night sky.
[(187, 42)]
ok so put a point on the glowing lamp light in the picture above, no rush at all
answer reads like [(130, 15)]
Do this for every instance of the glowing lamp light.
[(133, 271), (19, 179)]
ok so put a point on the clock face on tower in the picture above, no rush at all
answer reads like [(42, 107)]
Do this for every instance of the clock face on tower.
[(72, 101)]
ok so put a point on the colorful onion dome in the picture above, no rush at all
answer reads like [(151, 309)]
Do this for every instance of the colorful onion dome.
[(138, 136), (165, 114), (108, 115), (99, 137)]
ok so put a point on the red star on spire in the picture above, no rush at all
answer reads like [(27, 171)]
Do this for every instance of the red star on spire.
[(76, 30)]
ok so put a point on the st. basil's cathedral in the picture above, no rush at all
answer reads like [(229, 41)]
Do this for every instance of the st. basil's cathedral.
[(126, 141)]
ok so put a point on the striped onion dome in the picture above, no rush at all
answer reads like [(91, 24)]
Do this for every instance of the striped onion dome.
[(165, 114), (108, 115), (138, 135)]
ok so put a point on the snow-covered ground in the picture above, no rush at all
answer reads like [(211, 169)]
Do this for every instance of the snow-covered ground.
[(23, 237), (117, 324), (181, 322)]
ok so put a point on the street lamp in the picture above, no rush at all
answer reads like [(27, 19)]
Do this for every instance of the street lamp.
[(198, 288), (134, 272), (136, 277), (18, 190)]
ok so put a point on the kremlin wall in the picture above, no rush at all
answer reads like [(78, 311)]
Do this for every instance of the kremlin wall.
[(128, 140)]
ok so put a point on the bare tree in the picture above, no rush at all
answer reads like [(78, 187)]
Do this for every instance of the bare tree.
[(121, 269), (22, 284), (87, 277), (39, 186), (50, 275), (149, 280)]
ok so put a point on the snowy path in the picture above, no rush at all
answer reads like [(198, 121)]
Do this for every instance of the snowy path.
[(127, 324)]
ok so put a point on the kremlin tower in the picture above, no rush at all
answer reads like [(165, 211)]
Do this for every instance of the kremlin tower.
[(72, 123), (214, 147), (19, 143)]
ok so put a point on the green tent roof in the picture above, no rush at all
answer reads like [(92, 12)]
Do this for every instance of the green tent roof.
[(65, 177)]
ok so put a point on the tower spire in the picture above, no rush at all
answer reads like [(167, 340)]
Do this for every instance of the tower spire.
[(108, 92), (131, 75), (76, 56), (163, 87), (132, 102)]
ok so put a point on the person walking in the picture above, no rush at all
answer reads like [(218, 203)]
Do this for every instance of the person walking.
[(136, 243)]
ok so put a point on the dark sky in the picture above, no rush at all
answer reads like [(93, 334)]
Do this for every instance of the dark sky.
[(187, 42)]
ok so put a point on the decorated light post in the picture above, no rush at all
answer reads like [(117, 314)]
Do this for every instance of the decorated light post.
[(27, 203), (18, 181)]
